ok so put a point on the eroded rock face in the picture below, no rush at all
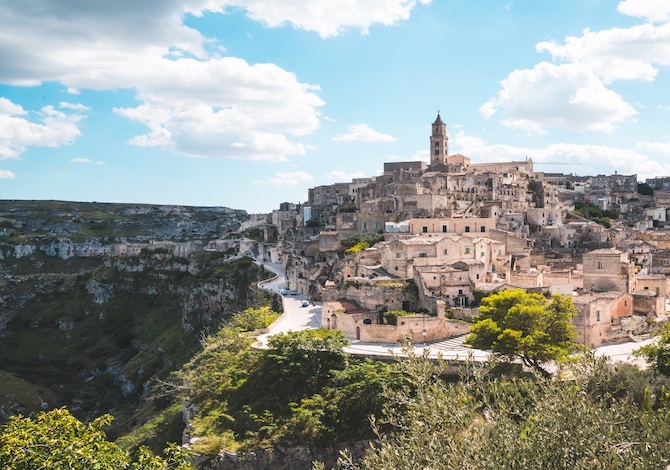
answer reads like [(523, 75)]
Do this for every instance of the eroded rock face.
[(96, 299)]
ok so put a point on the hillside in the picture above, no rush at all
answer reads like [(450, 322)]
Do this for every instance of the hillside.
[(98, 300)]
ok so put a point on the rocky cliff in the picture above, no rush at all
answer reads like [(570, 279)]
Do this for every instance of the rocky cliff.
[(88, 326)]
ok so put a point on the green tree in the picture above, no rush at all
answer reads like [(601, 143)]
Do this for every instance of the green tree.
[(58, 440), (645, 189), (306, 358), (254, 318), (657, 354), (517, 324)]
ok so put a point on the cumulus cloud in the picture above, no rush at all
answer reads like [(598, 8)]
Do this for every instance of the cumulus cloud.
[(363, 133), (616, 54), (327, 19), (656, 11), (463, 140), (559, 96), (255, 116), (289, 179), (6, 175), (574, 91), (343, 176), (47, 127)]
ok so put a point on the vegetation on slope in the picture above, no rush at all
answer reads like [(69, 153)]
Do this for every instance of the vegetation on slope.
[(590, 211), (303, 390)]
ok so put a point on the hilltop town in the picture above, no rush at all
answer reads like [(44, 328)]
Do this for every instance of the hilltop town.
[(430, 240)]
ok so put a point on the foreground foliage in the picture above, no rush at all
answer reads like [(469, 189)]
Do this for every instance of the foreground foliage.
[(489, 422), (58, 440)]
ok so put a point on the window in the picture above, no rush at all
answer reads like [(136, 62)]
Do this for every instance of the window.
[(481, 255), (482, 229), (600, 265), (477, 276), (397, 255), (444, 229), (467, 250), (423, 255), (437, 151), (597, 315), (467, 228), (424, 229), (444, 252)]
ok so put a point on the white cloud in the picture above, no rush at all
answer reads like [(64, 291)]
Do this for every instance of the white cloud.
[(254, 116), (617, 53), (574, 93), (343, 176), (558, 96), (73, 90), (73, 106), (19, 129), (461, 139), (87, 161), (661, 148), (656, 11), (329, 18), (488, 109), (291, 179), (363, 133), (6, 175)]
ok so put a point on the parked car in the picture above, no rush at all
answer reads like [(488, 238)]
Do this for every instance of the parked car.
[(304, 304), (283, 292)]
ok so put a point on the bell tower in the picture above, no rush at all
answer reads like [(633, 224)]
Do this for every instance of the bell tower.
[(439, 143)]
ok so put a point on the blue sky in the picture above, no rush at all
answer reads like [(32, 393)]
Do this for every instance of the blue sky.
[(248, 103)]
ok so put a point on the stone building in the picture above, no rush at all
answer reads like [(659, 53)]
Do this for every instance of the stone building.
[(367, 326), (601, 318), (608, 269)]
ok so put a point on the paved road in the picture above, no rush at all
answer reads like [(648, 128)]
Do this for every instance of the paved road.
[(452, 349), (295, 317)]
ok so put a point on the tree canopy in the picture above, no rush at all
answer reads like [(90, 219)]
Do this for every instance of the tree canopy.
[(517, 324), (657, 354)]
